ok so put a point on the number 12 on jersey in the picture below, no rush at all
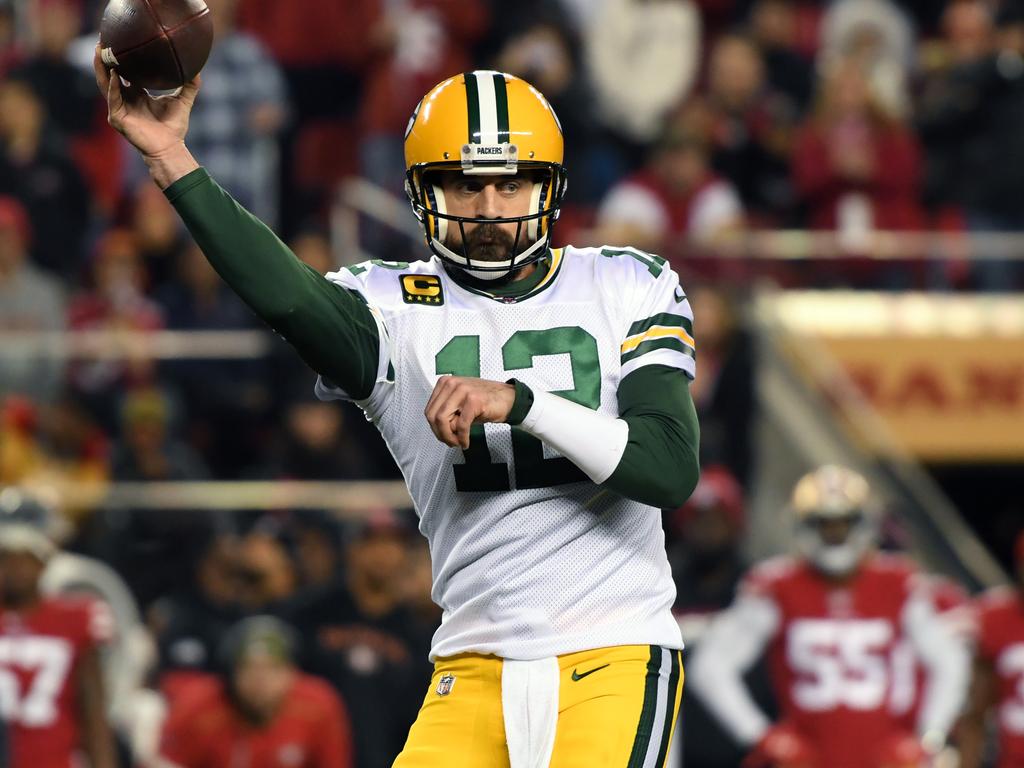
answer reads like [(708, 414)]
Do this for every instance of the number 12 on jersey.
[(461, 357)]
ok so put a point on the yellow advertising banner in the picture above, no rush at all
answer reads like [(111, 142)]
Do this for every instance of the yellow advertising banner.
[(946, 373), (944, 399)]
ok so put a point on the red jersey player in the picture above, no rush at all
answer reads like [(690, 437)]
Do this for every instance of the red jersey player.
[(266, 715), (51, 686), (999, 673), (829, 621)]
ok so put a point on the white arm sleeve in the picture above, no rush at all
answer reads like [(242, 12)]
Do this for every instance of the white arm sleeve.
[(592, 441), (947, 661), (734, 641)]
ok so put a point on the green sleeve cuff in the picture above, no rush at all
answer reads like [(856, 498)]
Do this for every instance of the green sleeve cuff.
[(522, 405), (186, 183)]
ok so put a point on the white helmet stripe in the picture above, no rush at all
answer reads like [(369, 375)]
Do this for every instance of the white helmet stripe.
[(488, 107)]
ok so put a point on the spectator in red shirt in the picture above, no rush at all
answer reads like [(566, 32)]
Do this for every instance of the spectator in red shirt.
[(267, 714), (116, 304), (856, 167), (675, 196), (751, 126)]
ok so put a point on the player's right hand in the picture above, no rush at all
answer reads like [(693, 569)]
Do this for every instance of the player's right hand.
[(155, 125), (782, 746)]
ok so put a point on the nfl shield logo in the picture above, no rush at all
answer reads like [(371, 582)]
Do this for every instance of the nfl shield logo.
[(445, 685)]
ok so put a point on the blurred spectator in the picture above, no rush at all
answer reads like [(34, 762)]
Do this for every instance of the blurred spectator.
[(546, 56), (316, 539), (265, 710), (773, 27), (878, 37), (242, 109), (188, 623), (58, 446), (724, 391), (265, 571), (148, 451), (358, 637), (10, 45), (317, 444), (69, 95), (413, 45), (661, 43), (199, 299), (972, 120), (30, 301), (158, 232), (57, 713), (36, 169), (856, 166), (707, 564), (312, 247), (117, 303), (225, 398), (968, 38), (751, 129), (675, 196), (425, 613)]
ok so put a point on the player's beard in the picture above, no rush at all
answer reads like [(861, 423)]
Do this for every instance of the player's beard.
[(489, 243)]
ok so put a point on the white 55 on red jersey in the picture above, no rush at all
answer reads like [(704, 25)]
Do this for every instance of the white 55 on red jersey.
[(830, 649), (1001, 643), (40, 650)]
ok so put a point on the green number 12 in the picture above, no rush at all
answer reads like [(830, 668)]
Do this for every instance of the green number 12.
[(461, 357)]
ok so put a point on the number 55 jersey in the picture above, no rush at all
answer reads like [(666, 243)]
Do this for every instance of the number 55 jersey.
[(830, 647), (530, 558)]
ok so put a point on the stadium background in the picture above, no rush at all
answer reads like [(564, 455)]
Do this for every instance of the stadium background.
[(838, 184)]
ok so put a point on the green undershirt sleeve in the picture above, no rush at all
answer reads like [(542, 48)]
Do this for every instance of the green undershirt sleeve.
[(660, 464), (330, 326)]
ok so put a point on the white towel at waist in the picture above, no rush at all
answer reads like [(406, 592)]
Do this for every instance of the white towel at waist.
[(529, 699)]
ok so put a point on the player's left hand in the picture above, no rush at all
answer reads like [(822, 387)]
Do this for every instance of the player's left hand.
[(458, 402)]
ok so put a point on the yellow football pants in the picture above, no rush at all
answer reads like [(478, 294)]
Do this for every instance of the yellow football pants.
[(617, 708)]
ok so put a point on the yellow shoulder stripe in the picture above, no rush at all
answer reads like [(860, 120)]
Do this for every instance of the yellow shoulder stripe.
[(658, 332)]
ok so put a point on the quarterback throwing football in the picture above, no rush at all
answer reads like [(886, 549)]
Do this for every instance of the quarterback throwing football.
[(537, 401)]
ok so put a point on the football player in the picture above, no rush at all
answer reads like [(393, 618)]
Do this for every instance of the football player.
[(51, 684), (998, 673), (536, 399), (829, 621)]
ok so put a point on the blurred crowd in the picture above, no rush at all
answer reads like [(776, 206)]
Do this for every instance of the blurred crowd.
[(688, 124)]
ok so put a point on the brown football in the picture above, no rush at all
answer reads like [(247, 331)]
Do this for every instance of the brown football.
[(158, 44)]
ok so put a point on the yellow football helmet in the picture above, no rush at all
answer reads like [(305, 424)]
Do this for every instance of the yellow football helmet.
[(834, 493), (485, 122)]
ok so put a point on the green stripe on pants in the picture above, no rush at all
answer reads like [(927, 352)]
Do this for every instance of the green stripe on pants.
[(647, 712)]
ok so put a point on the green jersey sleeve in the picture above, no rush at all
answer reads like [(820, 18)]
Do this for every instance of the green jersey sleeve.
[(330, 326), (660, 464)]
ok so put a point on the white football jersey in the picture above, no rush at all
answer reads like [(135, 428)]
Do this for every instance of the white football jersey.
[(530, 558)]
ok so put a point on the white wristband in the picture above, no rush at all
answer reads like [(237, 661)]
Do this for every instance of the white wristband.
[(592, 441)]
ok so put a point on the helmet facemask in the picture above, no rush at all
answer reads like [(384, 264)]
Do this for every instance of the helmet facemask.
[(832, 555), (533, 230)]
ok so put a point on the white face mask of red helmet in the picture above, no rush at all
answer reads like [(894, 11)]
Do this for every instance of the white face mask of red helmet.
[(840, 558)]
